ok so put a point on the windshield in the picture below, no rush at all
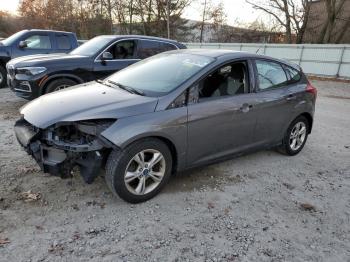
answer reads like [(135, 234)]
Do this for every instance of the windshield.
[(10, 40), (160, 74), (92, 46)]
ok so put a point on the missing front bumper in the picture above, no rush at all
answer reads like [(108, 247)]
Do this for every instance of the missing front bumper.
[(57, 161)]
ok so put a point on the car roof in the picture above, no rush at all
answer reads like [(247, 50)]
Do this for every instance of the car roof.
[(43, 30), (140, 37), (231, 54)]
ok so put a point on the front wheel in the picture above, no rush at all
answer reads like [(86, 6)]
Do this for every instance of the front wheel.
[(139, 172), (295, 137), (59, 84)]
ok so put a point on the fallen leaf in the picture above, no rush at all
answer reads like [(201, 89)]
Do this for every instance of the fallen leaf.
[(29, 196), (227, 211), (56, 249), (4, 241), (288, 186), (27, 170), (95, 203), (39, 227), (307, 207), (75, 207), (210, 205)]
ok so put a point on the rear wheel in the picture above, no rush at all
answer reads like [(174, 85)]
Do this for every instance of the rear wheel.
[(3, 77), (295, 137), (140, 171), (59, 84)]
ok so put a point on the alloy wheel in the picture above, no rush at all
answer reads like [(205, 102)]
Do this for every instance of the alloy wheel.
[(297, 136), (145, 172), (60, 87)]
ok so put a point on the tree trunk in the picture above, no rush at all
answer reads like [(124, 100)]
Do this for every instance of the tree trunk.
[(342, 31), (203, 21), (302, 29), (131, 13), (333, 10)]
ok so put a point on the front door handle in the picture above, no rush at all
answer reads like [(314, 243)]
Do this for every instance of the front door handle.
[(291, 97), (245, 108)]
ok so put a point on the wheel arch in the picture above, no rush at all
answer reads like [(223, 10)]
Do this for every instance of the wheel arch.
[(168, 141), (3, 63), (309, 118), (172, 149), (51, 78)]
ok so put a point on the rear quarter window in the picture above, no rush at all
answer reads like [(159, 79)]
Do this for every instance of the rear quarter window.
[(148, 48), (293, 74), (163, 47)]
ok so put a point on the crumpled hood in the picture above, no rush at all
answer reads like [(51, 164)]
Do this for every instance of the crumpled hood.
[(86, 101), (41, 60)]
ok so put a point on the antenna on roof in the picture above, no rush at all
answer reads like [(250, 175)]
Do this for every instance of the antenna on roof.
[(258, 50)]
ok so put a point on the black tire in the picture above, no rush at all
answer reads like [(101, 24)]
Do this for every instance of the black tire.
[(286, 148), (56, 84), (118, 162), (3, 77)]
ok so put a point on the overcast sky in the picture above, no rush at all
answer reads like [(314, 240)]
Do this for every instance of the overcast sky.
[(235, 10)]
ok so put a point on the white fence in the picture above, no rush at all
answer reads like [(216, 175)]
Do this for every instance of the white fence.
[(320, 60)]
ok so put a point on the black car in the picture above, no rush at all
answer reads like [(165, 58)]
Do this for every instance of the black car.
[(32, 76), (32, 42)]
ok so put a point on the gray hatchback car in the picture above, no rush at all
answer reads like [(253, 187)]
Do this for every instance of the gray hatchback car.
[(168, 113)]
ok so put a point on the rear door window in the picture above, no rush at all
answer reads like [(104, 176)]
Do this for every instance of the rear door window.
[(270, 75), (63, 42), (148, 48)]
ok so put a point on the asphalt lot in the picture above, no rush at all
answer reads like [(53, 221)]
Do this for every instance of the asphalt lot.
[(260, 207)]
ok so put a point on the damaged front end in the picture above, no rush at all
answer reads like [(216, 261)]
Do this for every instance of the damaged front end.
[(65, 145)]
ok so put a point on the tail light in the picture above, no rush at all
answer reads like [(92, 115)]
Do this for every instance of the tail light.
[(311, 89)]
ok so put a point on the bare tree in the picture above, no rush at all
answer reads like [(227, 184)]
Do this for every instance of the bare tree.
[(334, 9), (292, 15), (300, 17), (343, 30), (203, 20), (218, 20), (213, 18)]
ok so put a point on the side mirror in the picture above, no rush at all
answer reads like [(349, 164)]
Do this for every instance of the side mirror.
[(107, 56), (22, 44)]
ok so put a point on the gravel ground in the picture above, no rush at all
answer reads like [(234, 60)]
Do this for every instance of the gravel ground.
[(260, 207)]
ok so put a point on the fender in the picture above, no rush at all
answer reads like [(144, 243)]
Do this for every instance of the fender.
[(170, 125), (304, 109), (44, 81)]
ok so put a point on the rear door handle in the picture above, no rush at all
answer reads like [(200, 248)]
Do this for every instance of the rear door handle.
[(291, 97)]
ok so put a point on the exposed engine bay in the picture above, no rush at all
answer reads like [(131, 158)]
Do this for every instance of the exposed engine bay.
[(65, 145)]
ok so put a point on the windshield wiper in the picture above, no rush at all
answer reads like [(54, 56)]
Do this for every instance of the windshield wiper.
[(127, 88)]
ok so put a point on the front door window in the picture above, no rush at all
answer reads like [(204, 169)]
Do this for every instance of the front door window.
[(122, 50), (228, 80), (38, 42)]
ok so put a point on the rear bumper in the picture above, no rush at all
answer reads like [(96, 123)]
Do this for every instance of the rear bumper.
[(25, 89)]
